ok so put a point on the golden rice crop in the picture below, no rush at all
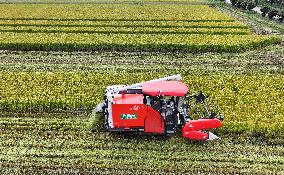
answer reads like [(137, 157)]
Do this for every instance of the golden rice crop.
[(191, 43), (249, 102), (112, 12), (128, 27), (111, 23), (148, 30)]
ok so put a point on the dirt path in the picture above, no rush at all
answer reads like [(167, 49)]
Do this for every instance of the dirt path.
[(261, 26)]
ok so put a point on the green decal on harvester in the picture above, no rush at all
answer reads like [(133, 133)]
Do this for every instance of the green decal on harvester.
[(128, 116)]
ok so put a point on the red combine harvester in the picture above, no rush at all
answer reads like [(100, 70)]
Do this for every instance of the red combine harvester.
[(156, 106)]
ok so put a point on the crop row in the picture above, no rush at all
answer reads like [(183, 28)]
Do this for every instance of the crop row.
[(128, 42), (34, 132), (41, 124), (94, 152), (141, 67), (125, 30), (126, 156), (89, 141), (111, 12), (64, 136), (136, 166), (54, 149), (248, 62), (111, 23), (242, 98)]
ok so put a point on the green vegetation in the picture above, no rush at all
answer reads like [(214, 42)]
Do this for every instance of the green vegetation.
[(260, 25), (268, 60), (61, 144), (96, 121)]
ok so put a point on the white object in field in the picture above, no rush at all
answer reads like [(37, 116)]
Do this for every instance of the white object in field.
[(228, 2), (257, 10), (212, 136), (99, 107)]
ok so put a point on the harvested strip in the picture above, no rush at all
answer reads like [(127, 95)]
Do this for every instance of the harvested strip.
[(250, 62), (94, 152)]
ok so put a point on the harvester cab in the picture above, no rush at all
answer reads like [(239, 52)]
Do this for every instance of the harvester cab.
[(156, 106)]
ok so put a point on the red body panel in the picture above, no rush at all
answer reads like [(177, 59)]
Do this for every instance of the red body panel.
[(154, 122), (128, 111), (202, 124), (168, 88), (128, 99), (128, 115), (195, 135)]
